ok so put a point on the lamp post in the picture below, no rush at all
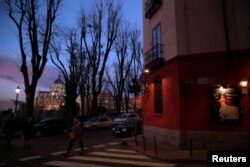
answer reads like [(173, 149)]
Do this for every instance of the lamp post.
[(17, 92)]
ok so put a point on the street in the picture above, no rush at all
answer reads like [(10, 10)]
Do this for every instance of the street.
[(101, 149)]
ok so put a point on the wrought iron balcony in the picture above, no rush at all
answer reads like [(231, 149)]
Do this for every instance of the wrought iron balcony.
[(154, 57), (151, 7)]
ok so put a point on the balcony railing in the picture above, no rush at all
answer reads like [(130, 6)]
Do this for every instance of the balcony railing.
[(154, 57), (151, 7)]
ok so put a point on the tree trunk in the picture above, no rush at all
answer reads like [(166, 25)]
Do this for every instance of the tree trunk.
[(82, 104), (29, 106), (88, 106), (118, 106), (94, 104), (119, 103)]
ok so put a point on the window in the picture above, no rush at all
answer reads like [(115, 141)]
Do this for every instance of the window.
[(156, 41), (158, 94)]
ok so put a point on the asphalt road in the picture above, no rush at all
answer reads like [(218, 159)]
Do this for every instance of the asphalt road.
[(102, 149)]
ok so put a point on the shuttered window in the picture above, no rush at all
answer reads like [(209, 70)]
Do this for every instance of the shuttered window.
[(158, 95)]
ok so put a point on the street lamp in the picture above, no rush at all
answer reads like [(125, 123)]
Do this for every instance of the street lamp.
[(17, 92)]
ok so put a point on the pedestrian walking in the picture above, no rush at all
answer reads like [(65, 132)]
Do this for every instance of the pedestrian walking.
[(28, 132), (8, 130), (75, 135)]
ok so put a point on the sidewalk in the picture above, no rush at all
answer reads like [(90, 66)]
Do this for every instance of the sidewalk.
[(166, 154)]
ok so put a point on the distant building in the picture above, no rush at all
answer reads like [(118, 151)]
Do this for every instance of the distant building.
[(105, 99), (7, 105), (53, 99), (136, 102), (198, 55)]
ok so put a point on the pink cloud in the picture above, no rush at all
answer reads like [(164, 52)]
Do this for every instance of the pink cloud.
[(10, 72)]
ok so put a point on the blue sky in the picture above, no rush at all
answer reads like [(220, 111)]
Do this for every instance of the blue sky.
[(10, 75)]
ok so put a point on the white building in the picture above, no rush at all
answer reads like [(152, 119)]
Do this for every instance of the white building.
[(53, 99)]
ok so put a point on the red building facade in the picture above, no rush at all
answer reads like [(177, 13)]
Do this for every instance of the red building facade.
[(197, 53)]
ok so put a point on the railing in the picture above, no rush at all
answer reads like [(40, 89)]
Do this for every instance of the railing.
[(151, 7), (154, 57)]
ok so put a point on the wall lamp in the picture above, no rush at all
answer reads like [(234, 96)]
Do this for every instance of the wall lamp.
[(244, 88), (146, 71)]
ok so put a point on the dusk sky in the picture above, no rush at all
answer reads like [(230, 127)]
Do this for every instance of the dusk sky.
[(10, 75)]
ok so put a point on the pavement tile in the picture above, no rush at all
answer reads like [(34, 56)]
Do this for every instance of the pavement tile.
[(166, 154)]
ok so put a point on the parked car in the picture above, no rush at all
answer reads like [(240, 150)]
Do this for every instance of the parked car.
[(123, 118), (98, 123), (51, 126), (129, 128)]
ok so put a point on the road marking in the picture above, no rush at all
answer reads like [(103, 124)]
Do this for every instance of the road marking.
[(79, 149), (99, 146), (71, 164), (58, 153), (122, 151), (30, 158), (61, 152), (2, 164), (119, 155), (114, 143), (121, 161)]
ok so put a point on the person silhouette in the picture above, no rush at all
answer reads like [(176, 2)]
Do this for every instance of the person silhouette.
[(75, 135), (9, 129)]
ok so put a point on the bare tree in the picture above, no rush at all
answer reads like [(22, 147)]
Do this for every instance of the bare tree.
[(73, 68), (136, 76), (134, 81), (85, 86), (99, 30), (35, 32), (126, 47)]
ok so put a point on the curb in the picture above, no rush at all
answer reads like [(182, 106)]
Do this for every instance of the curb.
[(126, 142)]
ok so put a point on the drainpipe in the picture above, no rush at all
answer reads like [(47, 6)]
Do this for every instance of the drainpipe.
[(183, 86), (225, 20), (186, 27)]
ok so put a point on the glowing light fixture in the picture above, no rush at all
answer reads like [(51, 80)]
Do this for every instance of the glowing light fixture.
[(17, 92), (146, 70), (243, 84), (223, 89), (18, 89)]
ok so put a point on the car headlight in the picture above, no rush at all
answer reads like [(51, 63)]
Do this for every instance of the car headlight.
[(124, 129)]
